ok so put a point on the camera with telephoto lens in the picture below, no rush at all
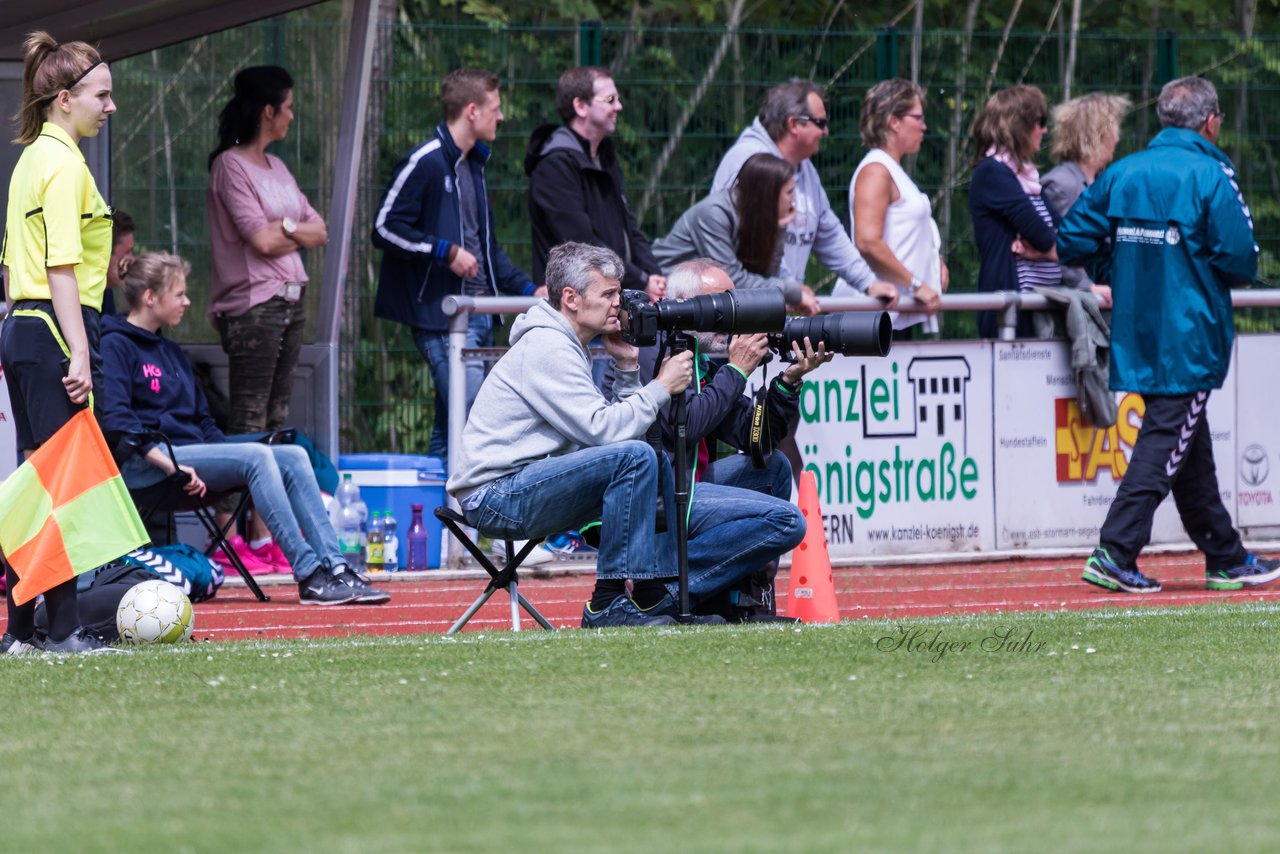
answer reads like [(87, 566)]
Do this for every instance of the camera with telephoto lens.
[(733, 312), (739, 312), (848, 333)]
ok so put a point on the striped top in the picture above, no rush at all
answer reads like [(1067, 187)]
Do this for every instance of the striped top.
[(1033, 274)]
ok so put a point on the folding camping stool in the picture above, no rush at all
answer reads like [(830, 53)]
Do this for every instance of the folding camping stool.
[(499, 579), (168, 496)]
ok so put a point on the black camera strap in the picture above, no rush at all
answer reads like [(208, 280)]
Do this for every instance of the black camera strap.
[(760, 445)]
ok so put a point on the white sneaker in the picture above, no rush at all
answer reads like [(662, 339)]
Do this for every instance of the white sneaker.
[(9, 645), (537, 556)]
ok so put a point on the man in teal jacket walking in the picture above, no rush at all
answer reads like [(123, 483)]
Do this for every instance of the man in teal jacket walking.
[(1181, 238)]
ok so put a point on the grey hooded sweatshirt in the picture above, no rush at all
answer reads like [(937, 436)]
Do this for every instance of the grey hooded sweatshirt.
[(816, 227), (540, 401)]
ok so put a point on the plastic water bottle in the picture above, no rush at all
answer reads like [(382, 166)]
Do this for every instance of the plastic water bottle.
[(417, 537), (346, 493), (344, 513), (362, 511), (376, 561), (348, 531), (390, 542)]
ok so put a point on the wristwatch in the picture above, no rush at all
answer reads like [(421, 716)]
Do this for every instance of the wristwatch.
[(916, 284), (290, 227)]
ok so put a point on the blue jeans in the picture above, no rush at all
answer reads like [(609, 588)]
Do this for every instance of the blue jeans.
[(434, 347), (285, 495), (774, 479), (738, 523), (616, 483)]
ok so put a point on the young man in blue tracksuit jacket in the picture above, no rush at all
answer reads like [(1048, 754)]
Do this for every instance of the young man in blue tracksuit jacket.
[(1181, 239), (436, 232)]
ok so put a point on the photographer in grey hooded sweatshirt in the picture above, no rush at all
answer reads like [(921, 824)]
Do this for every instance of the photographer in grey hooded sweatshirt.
[(543, 451)]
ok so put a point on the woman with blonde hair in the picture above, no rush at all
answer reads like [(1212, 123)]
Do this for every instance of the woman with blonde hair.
[(56, 250), (891, 221), (1014, 228), (1086, 131), (151, 386)]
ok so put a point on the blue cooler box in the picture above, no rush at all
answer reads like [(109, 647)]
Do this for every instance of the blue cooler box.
[(396, 481)]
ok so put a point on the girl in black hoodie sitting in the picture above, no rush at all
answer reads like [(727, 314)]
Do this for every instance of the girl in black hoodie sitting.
[(150, 386)]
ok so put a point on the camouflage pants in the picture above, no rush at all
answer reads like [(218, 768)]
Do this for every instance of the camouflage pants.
[(262, 348)]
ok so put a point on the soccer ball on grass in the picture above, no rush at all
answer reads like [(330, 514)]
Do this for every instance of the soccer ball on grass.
[(154, 611)]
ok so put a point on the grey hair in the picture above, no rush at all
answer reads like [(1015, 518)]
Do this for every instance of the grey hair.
[(574, 265), (686, 280), (1187, 103), (785, 101)]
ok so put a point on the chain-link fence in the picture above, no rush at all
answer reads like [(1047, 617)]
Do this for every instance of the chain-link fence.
[(687, 93)]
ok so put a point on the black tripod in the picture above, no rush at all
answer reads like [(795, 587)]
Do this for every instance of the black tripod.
[(678, 342)]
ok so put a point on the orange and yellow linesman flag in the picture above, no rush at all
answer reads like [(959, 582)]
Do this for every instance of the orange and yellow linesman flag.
[(66, 510)]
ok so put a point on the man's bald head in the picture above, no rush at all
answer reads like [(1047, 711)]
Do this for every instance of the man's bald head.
[(696, 278)]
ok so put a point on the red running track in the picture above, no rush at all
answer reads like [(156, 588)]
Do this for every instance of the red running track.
[(897, 592)]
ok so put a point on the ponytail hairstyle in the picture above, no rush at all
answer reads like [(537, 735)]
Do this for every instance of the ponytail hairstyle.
[(755, 198), (47, 69), (151, 271), (256, 88)]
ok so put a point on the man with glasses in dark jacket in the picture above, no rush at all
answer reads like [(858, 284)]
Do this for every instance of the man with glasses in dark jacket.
[(576, 185)]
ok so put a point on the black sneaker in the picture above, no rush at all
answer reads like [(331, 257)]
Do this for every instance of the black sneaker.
[(1102, 571), (669, 607), (1255, 571), (622, 612), (79, 641), (9, 645), (365, 594), (322, 588)]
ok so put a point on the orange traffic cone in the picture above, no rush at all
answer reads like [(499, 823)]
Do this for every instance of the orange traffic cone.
[(813, 593)]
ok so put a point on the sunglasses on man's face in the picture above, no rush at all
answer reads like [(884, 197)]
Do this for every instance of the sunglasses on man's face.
[(820, 124)]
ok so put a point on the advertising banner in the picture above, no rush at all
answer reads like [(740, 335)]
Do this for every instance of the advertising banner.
[(1055, 475), (1257, 459), (901, 449)]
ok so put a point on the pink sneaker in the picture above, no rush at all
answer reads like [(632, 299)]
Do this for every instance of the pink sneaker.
[(242, 550), (272, 555)]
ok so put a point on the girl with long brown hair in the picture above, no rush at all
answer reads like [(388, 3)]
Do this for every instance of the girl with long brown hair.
[(741, 228)]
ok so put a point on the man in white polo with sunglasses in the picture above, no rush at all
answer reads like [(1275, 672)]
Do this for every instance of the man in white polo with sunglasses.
[(791, 125)]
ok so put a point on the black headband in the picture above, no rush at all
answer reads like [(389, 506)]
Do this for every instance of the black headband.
[(83, 75)]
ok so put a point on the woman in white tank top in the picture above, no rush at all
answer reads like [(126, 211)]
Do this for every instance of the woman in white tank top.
[(890, 219)]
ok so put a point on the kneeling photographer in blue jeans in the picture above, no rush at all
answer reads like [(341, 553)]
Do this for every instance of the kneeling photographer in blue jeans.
[(741, 519)]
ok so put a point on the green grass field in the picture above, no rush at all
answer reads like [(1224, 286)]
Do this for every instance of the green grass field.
[(1144, 730)]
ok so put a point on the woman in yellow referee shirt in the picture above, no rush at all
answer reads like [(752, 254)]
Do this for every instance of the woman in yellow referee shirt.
[(56, 249)]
